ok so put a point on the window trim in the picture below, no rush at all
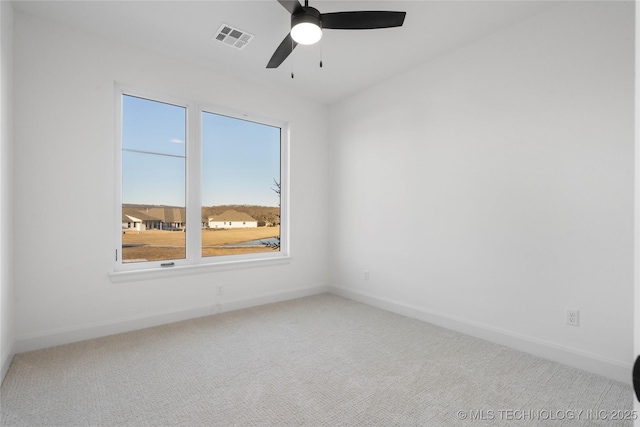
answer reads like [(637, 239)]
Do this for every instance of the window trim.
[(194, 262)]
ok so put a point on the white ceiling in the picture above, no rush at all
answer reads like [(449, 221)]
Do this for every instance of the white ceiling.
[(353, 60)]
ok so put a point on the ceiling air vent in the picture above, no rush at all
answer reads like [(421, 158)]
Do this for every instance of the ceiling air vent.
[(233, 37)]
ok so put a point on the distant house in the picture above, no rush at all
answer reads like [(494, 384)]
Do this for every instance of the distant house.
[(169, 218), (232, 219), (153, 218), (138, 220), (130, 222)]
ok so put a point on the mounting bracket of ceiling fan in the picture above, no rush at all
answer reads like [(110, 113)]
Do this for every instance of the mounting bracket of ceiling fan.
[(307, 24)]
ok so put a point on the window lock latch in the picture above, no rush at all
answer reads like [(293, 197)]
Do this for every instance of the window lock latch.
[(167, 264)]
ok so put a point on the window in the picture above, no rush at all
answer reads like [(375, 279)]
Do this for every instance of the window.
[(197, 184), (240, 166), (153, 177)]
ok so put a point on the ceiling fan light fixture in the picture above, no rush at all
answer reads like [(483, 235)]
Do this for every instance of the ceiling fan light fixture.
[(306, 33), (306, 27)]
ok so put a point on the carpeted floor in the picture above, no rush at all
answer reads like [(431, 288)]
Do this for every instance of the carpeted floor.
[(316, 361)]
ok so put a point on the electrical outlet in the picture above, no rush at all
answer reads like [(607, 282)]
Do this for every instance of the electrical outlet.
[(219, 291), (572, 317), (366, 275)]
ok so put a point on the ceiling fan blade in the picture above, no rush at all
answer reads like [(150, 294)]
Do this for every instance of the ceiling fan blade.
[(291, 5), (362, 20), (282, 52)]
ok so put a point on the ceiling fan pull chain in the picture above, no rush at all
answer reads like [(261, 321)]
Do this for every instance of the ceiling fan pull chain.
[(292, 56), (320, 53)]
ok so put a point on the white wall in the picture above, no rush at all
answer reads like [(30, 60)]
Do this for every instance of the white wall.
[(492, 188), (7, 330), (64, 168), (637, 216)]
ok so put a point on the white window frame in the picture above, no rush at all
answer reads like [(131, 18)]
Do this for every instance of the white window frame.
[(194, 261)]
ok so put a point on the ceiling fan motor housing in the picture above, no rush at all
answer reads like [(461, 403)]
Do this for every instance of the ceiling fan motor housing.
[(306, 14)]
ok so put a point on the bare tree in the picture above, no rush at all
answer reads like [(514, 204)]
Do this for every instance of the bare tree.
[(276, 245)]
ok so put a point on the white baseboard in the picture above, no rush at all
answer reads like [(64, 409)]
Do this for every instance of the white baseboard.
[(238, 304), (68, 335), (7, 358), (613, 369)]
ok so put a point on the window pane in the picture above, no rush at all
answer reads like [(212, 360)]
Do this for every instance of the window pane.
[(240, 186), (153, 181), (153, 126)]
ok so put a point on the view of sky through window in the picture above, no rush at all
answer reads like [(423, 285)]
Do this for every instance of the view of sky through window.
[(153, 157), (240, 161)]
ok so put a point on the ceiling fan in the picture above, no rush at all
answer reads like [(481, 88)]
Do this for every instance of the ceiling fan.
[(307, 24)]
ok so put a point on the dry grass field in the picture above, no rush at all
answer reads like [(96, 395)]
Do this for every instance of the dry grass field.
[(157, 245)]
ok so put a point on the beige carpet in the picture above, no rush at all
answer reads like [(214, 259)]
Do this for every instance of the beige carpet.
[(316, 361)]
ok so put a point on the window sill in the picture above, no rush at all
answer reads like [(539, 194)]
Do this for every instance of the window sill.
[(184, 270)]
